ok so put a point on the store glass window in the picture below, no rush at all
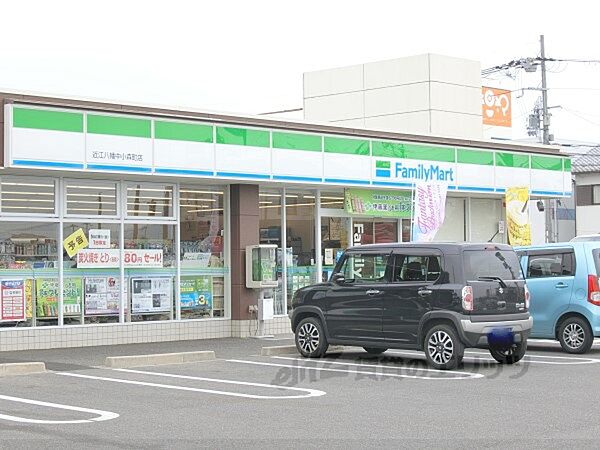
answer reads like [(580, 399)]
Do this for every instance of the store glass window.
[(300, 230), (269, 206), (92, 278), (20, 195), (486, 213), (28, 273), (150, 270), (149, 200), (202, 257), (453, 228), (335, 233), (98, 198), (332, 200)]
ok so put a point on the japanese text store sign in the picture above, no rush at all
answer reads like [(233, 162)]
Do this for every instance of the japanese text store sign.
[(366, 202), (94, 258)]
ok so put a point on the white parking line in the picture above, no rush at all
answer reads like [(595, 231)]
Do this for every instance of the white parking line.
[(101, 415), (485, 356), (391, 375), (308, 392), (377, 366)]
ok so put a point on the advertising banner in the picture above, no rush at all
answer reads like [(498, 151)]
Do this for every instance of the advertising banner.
[(102, 295), (47, 296), (75, 242), (196, 292), (12, 298), (430, 210), (366, 202), (95, 258), (151, 295), (517, 216), (496, 107)]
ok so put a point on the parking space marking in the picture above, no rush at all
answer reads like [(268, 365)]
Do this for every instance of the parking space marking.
[(308, 392), (381, 366), (361, 372), (485, 356), (101, 415)]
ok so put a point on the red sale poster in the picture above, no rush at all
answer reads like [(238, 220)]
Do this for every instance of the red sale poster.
[(12, 300)]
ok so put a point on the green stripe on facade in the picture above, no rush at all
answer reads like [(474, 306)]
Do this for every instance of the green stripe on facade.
[(118, 126), (346, 146), (382, 164), (42, 119), (512, 160), (180, 131), (567, 164), (465, 156), (297, 141), (243, 136), (546, 163), (412, 151)]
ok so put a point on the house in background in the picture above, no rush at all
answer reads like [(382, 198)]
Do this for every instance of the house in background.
[(586, 170)]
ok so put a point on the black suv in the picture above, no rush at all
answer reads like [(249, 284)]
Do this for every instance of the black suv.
[(435, 297)]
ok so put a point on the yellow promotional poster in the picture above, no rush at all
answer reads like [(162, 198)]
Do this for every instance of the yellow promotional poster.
[(75, 242), (517, 216)]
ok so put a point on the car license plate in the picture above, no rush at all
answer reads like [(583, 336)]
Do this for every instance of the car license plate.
[(501, 337)]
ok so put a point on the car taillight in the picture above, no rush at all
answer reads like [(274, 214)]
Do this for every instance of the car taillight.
[(467, 298), (527, 297), (593, 290)]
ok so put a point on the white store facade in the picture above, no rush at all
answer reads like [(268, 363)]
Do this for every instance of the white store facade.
[(166, 201)]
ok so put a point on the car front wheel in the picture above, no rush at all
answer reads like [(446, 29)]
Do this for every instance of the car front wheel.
[(443, 348), (509, 355), (575, 335), (310, 338)]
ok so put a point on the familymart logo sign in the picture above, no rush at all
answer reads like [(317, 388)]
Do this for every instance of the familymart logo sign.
[(414, 171)]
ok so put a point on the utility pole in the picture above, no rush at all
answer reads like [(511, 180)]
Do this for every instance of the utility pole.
[(551, 219), (545, 116)]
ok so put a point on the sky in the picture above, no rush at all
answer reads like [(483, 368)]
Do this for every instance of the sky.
[(249, 56)]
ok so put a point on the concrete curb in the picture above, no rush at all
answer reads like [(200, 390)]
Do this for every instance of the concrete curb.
[(25, 368), (158, 359), (287, 349), (278, 350)]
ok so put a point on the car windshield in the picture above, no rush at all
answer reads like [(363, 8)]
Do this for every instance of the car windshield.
[(594, 237), (491, 263), (596, 256)]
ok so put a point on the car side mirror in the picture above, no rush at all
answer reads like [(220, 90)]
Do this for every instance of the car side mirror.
[(338, 278)]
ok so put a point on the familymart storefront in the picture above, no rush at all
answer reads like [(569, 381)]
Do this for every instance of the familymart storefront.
[(128, 224)]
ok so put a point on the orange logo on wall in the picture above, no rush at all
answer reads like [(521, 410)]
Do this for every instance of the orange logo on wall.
[(496, 107)]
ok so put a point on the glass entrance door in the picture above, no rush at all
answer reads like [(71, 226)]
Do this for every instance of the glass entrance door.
[(374, 231), (335, 238)]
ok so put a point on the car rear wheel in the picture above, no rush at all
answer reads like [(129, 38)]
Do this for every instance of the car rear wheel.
[(375, 350), (443, 348), (310, 338), (511, 354), (575, 335)]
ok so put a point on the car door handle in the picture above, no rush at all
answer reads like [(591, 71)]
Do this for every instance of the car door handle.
[(424, 292), (561, 285), (373, 292)]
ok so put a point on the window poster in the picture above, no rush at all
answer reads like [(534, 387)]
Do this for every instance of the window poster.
[(196, 292), (47, 296), (151, 295), (12, 300), (102, 295)]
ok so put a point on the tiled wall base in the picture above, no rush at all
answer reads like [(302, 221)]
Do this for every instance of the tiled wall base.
[(12, 339), (247, 328)]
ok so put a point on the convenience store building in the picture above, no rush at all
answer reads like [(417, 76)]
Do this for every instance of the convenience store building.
[(124, 223)]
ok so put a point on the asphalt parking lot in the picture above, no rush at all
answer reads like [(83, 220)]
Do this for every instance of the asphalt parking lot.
[(348, 399)]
